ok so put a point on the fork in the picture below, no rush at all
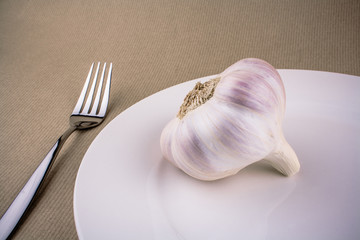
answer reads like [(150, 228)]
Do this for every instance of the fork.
[(86, 114)]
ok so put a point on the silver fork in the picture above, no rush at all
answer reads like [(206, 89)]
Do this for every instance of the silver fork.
[(87, 114)]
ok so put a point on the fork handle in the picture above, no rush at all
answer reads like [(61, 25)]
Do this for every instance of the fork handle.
[(23, 200)]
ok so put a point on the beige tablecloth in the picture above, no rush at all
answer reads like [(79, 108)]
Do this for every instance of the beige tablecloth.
[(46, 48)]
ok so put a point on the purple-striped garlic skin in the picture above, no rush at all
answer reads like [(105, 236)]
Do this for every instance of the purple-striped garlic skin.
[(238, 125)]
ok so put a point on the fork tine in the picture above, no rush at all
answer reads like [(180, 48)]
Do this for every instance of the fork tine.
[(106, 96), (83, 92), (98, 93), (91, 92)]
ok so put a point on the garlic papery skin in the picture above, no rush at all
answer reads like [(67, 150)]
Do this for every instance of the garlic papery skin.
[(230, 122)]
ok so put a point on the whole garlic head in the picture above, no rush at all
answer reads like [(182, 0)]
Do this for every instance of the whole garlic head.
[(230, 122)]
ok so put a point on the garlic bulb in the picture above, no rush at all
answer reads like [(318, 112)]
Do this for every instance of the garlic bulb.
[(230, 122)]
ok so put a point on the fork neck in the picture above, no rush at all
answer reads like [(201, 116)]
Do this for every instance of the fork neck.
[(66, 134)]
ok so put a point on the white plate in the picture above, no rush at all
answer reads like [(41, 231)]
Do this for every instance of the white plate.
[(126, 190)]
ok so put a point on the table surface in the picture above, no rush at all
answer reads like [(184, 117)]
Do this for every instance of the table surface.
[(46, 48)]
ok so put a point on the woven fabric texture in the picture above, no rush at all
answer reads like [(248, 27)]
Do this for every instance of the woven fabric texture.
[(46, 48)]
